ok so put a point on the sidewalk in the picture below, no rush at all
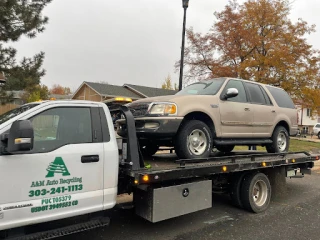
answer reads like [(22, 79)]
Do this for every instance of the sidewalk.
[(307, 139)]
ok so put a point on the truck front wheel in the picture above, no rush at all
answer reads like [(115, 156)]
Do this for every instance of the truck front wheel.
[(194, 140), (255, 192)]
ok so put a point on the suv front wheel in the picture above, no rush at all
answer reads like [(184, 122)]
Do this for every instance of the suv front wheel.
[(194, 140), (280, 141)]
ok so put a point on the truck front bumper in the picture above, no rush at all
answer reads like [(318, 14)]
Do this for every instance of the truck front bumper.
[(152, 127)]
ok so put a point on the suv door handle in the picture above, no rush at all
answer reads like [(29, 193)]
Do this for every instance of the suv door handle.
[(273, 111), (90, 158), (247, 109)]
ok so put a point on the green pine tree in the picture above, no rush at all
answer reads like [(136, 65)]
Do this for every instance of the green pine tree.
[(20, 18)]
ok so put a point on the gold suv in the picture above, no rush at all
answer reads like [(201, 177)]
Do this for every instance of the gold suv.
[(220, 113)]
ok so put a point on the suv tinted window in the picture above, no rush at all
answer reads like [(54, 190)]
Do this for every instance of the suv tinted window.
[(317, 126), (242, 96), (282, 98), (256, 94), (210, 87), (57, 127)]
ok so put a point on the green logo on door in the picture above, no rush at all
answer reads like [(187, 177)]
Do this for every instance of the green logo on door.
[(57, 166)]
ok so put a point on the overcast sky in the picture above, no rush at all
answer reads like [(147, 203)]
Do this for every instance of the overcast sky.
[(126, 41)]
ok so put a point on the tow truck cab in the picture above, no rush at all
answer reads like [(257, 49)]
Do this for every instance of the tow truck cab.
[(53, 162)]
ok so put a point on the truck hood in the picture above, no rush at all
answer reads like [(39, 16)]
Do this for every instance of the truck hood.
[(168, 98), (181, 99)]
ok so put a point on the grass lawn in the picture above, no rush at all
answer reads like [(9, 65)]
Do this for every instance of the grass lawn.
[(295, 146)]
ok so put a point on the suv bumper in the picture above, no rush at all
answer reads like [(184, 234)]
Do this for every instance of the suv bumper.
[(152, 127)]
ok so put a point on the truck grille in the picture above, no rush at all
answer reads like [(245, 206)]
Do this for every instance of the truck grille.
[(139, 109)]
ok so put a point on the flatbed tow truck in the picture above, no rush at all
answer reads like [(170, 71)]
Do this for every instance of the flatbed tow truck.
[(85, 177)]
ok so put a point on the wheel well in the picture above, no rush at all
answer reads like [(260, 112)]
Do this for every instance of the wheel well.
[(284, 124), (201, 117)]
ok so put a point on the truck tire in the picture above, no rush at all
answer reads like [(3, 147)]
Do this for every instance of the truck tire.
[(225, 148), (194, 140), (255, 192), (149, 149), (280, 141), (235, 189)]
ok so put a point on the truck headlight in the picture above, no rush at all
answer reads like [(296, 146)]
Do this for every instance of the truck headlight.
[(163, 109)]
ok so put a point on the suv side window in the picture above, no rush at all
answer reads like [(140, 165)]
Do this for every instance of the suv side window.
[(60, 126), (242, 96), (256, 95), (281, 97)]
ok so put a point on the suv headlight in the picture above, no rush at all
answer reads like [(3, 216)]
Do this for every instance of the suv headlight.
[(163, 109)]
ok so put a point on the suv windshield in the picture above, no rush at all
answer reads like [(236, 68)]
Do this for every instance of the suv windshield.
[(14, 112), (210, 87)]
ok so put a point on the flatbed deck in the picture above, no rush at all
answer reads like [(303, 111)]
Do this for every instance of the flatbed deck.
[(166, 167)]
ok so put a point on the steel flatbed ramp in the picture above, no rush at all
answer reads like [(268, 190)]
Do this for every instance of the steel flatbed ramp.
[(166, 167)]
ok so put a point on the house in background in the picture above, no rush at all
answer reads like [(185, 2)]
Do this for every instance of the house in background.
[(306, 118), (100, 91)]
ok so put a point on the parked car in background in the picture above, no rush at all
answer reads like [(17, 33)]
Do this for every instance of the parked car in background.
[(221, 113), (316, 130)]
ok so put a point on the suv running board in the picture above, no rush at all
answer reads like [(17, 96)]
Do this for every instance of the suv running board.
[(239, 141), (64, 231)]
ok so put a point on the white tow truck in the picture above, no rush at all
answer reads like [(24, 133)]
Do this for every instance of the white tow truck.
[(60, 159)]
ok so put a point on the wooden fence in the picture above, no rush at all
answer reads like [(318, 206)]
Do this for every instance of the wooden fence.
[(7, 107)]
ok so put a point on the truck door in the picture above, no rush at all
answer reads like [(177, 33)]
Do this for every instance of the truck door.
[(62, 176)]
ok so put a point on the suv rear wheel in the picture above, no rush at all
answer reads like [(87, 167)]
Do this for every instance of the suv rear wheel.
[(280, 141), (225, 148), (319, 134), (194, 140)]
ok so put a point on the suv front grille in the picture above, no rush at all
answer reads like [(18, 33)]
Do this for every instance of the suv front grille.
[(139, 109)]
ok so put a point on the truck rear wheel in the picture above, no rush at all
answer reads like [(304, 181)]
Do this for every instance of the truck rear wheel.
[(235, 189), (255, 192), (280, 141), (194, 140)]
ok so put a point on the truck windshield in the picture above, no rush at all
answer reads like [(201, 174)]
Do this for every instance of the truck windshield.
[(14, 112), (210, 87)]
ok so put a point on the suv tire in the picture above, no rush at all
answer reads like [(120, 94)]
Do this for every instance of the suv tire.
[(280, 141), (319, 135), (194, 140), (225, 148)]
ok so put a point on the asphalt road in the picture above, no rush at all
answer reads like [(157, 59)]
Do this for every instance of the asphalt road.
[(293, 214)]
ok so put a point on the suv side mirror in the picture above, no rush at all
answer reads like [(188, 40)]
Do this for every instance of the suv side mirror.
[(231, 92), (20, 137)]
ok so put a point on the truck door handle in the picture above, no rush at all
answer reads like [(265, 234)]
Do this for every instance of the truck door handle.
[(90, 158), (247, 109)]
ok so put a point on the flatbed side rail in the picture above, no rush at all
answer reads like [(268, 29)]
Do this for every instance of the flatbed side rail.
[(221, 167), (237, 157)]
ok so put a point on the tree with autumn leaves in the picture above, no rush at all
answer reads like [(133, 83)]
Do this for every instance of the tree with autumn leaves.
[(257, 41)]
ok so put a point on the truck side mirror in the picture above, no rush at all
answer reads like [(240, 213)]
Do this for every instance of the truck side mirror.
[(20, 137), (230, 93)]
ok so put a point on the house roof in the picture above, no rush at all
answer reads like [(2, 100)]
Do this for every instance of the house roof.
[(150, 91), (112, 90)]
